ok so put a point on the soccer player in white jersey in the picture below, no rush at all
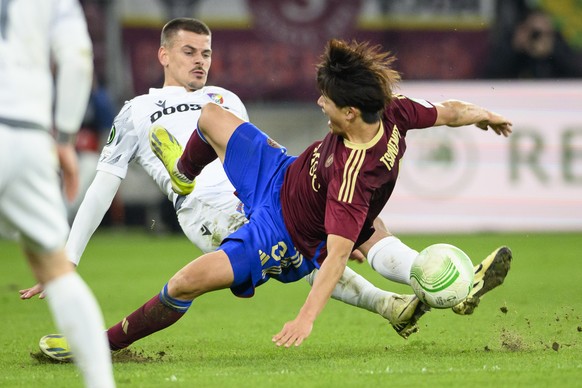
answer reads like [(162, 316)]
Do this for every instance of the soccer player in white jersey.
[(34, 34)]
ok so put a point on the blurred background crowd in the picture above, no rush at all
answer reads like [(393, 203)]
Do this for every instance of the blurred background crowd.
[(438, 39), (265, 51)]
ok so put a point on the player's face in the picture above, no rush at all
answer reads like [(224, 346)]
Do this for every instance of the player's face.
[(335, 115), (186, 60)]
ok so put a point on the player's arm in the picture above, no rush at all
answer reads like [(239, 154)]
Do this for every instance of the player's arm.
[(455, 113), (294, 332), (73, 57), (90, 214), (97, 201), (67, 155)]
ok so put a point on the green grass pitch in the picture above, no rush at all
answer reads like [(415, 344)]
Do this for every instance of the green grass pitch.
[(528, 332)]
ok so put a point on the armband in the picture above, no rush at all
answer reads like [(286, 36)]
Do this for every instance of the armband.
[(66, 138)]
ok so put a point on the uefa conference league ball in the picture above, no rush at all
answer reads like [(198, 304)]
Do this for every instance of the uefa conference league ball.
[(442, 276)]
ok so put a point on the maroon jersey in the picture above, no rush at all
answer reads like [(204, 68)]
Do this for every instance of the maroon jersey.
[(339, 187)]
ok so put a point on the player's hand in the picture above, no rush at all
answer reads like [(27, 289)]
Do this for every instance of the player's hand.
[(358, 256), (497, 123), (28, 293), (70, 168), (293, 333)]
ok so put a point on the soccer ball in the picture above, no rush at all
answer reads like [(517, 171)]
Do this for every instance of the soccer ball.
[(442, 276)]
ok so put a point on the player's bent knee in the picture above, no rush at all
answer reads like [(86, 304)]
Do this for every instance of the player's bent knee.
[(184, 287), (211, 118), (217, 123)]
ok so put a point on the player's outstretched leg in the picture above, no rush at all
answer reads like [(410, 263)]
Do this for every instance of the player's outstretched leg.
[(167, 148), (158, 313), (489, 274)]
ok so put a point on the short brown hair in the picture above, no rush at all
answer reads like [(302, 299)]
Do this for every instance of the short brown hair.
[(359, 75), (188, 24)]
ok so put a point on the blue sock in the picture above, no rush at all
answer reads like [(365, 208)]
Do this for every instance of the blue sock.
[(180, 306)]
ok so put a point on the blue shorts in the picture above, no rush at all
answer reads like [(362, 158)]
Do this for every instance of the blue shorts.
[(261, 249)]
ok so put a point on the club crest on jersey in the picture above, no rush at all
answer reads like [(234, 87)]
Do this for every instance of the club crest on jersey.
[(329, 161), (217, 98)]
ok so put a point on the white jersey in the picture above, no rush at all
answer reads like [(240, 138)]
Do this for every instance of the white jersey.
[(178, 111), (32, 34), (210, 212)]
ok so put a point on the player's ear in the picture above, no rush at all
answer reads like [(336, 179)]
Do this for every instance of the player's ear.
[(352, 112), (163, 56)]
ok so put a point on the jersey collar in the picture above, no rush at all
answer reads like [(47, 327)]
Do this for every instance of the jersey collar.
[(370, 144)]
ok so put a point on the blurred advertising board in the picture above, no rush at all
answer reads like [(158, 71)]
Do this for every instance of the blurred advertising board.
[(465, 180)]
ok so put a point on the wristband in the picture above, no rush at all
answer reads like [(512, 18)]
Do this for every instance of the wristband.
[(66, 138)]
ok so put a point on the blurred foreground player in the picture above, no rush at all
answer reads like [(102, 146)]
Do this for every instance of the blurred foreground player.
[(32, 34)]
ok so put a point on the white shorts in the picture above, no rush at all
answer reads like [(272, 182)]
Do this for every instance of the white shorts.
[(31, 203), (208, 217)]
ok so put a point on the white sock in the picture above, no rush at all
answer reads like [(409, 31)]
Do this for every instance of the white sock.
[(392, 259), (355, 290), (78, 316)]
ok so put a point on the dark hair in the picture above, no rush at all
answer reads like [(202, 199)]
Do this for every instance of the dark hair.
[(359, 75), (188, 24)]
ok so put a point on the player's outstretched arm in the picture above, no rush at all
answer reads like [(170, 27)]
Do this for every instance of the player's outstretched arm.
[(97, 201), (296, 331), (90, 214), (455, 113)]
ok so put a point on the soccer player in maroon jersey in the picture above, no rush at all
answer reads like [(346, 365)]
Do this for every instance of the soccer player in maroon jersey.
[(305, 212)]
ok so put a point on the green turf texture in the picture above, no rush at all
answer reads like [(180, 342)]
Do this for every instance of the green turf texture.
[(528, 332)]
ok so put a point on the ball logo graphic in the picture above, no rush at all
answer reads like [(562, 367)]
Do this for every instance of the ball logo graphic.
[(442, 275)]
